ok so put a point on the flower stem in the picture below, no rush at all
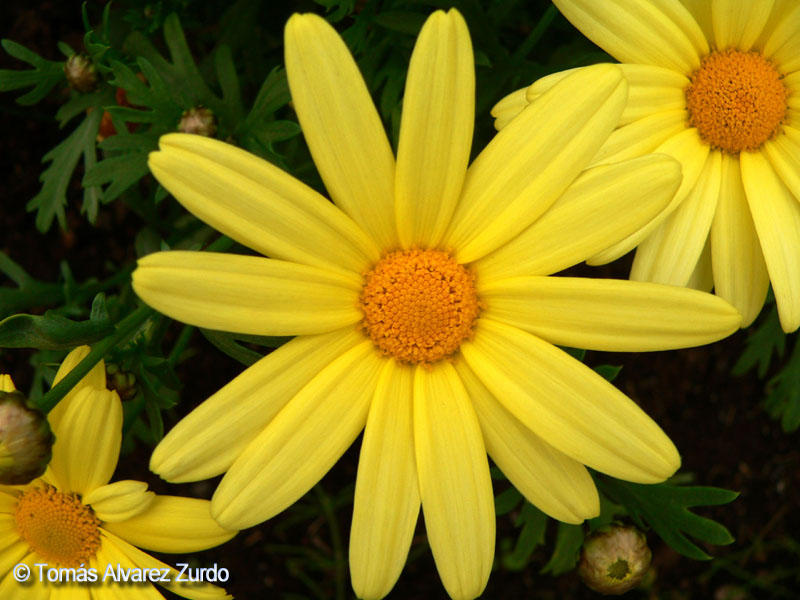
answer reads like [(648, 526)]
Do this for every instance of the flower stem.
[(123, 331)]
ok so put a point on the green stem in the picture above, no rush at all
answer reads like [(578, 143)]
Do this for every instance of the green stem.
[(124, 329), (180, 345)]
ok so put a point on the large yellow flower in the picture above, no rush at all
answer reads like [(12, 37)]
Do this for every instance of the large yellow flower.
[(73, 518), (716, 84), (422, 308)]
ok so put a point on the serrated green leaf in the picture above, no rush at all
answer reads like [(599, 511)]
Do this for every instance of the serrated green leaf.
[(402, 21), (506, 501), (51, 331), (276, 131), (766, 341), (229, 84), (81, 103), (608, 372), (273, 94), (664, 507), (783, 393), (569, 540), (224, 342), (45, 74), (50, 201), (534, 524), (121, 172)]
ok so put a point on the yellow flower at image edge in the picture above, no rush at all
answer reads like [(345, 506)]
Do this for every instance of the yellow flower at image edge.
[(422, 308), (72, 517), (716, 85)]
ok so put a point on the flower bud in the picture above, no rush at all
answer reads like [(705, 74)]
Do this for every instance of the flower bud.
[(25, 440), (614, 559), (121, 381), (81, 73), (198, 120)]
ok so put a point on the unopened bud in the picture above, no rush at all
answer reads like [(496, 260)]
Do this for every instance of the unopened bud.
[(81, 73), (25, 440), (614, 559), (121, 381), (198, 120)]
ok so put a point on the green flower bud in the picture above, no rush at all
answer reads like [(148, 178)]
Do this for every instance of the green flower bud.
[(25, 440), (121, 381), (81, 73), (614, 559), (198, 120)]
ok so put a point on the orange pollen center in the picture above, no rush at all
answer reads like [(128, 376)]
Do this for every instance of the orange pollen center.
[(736, 100), (419, 305), (58, 526)]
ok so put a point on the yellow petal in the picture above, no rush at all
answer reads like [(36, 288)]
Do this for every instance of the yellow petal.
[(120, 500), (702, 278), (776, 215), (508, 108), (609, 314), (435, 131), (549, 479), (568, 405), (602, 206), (88, 439), (652, 90), (6, 384), (258, 204), (301, 443), (689, 150), (115, 550), (670, 253), (107, 559), (172, 524), (783, 153), (341, 126), (10, 587), (531, 162), (95, 378), (386, 504), (641, 136), (656, 32), (701, 11), (247, 294), (740, 274), (11, 552), (454, 481), (783, 44), (207, 441), (739, 23)]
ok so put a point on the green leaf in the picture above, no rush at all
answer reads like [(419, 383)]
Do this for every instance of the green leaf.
[(783, 393), (275, 131), (609, 372), (45, 74), (569, 540), (50, 201), (766, 341), (506, 501), (53, 331), (665, 508), (402, 21), (121, 172), (225, 342), (534, 524), (273, 94)]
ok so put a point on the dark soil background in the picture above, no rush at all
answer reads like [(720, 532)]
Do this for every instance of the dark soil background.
[(715, 419)]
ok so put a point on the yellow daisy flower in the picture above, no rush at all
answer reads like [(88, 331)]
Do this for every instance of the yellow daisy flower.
[(421, 307), (715, 84), (73, 518)]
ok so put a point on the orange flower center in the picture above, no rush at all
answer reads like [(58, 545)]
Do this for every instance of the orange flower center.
[(736, 100), (419, 305), (58, 526)]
